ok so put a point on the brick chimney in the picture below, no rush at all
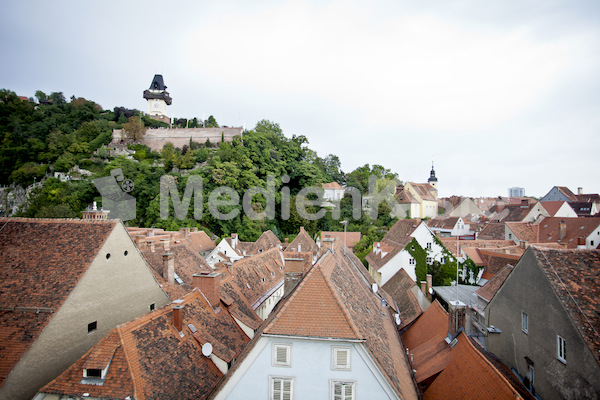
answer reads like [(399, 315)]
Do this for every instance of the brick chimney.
[(524, 203), (168, 270), (195, 229), (152, 246), (579, 191), (178, 314), (424, 287), (166, 244), (562, 229), (456, 317), (327, 243), (185, 232), (209, 283)]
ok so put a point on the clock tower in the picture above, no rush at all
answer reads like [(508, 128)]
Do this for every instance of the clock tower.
[(158, 99)]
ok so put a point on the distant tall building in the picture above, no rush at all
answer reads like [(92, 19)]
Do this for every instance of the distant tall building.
[(516, 192), (158, 99)]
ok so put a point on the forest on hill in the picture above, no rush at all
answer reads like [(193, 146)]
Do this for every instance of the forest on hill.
[(50, 134)]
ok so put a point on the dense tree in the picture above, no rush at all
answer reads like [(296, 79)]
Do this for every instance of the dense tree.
[(134, 129)]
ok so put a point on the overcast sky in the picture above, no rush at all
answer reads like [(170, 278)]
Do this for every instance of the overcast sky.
[(497, 94)]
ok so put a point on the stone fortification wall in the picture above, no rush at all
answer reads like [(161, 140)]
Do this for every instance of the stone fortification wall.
[(157, 138)]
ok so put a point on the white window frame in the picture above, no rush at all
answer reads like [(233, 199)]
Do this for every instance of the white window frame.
[(530, 373), (412, 261), (525, 322), (429, 245), (561, 349), (332, 385), (335, 350), (281, 396), (275, 352)]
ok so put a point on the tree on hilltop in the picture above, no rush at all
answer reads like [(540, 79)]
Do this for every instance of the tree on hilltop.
[(134, 128)]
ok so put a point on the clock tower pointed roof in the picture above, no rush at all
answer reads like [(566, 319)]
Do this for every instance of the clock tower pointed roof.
[(158, 90)]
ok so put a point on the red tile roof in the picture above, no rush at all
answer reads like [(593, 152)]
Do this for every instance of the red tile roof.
[(187, 262), (150, 359), (552, 206), (332, 185), (470, 376), (450, 244), (250, 281), (399, 288), (265, 242), (351, 237), (314, 310), (356, 313), (305, 242), (490, 288), (575, 278), (432, 324), (393, 242), (524, 231), (492, 231), (575, 228), (42, 262)]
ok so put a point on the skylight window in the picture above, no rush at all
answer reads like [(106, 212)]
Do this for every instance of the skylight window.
[(178, 279)]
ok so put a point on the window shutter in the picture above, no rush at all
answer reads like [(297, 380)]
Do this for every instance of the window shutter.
[(341, 358), (276, 389), (282, 355), (287, 390)]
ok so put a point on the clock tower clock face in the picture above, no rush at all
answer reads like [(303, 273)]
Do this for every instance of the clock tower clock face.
[(156, 105)]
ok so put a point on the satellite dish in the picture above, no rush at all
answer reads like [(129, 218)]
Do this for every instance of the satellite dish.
[(207, 349)]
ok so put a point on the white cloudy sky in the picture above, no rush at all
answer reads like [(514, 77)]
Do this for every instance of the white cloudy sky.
[(498, 94)]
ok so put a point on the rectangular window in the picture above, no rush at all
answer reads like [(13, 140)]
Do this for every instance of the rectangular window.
[(429, 260), (341, 358), (561, 349), (428, 246), (524, 322), (282, 388), (530, 373), (411, 261), (342, 390), (282, 354)]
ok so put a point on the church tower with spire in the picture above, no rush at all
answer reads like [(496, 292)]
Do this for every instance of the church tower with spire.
[(432, 179), (158, 99)]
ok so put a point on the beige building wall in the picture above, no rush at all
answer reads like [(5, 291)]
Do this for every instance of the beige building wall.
[(113, 291)]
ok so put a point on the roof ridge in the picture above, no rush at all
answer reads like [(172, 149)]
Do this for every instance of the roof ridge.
[(126, 355)]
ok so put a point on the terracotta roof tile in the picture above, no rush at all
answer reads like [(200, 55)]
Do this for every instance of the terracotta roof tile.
[(575, 278), (332, 185), (575, 228), (187, 262), (152, 360), (42, 261), (432, 324), (399, 288), (455, 381), (351, 237), (305, 242), (492, 231), (524, 231), (490, 288), (394, 242), (313, 310)]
